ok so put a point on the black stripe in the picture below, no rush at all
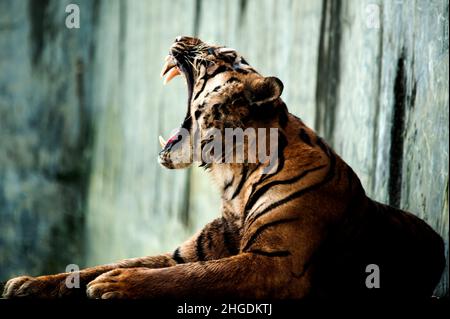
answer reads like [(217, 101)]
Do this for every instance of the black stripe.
[(264, 227), (201, 90), (216, 111), (305, 137), (205, 166), (187, 123), (250, 172), (209, 241), (243, 61), (219, 70), (205, 78), (281, 253), (200, 251), (323, 146), (239, 70), (299, 193), (177, 257), (227, 238), (241, 182), (283, 118), (228, 184), (257, 194), (178, 47), (282, 143), (232, 79)]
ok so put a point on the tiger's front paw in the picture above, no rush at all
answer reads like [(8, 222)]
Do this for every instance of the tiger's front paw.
[(37, 287), (16, 287), (123, 283), (52, 286)]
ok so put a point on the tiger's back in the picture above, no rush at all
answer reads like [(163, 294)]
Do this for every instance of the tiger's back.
[(360, 232), (407, 253)]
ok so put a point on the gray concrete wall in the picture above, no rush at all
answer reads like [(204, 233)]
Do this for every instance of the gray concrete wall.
[(80, 112), (46, 128)]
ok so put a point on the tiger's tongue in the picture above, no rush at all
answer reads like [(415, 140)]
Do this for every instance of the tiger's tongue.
[(172, 139)]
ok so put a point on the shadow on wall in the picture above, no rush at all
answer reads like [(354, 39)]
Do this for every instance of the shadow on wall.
[(81, 110)]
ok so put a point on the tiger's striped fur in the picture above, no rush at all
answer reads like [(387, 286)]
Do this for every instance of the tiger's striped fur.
[(306, 230)]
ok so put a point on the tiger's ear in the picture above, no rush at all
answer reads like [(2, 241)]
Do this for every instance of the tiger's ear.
[(266, 89)]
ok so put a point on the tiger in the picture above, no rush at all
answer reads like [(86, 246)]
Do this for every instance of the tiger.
[(306, 229)]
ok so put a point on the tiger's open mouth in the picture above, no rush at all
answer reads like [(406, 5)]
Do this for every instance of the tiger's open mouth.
[(176, 64)]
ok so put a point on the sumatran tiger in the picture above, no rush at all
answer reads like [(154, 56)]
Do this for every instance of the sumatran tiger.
[(304, 229)]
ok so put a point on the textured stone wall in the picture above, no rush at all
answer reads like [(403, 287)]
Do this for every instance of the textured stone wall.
[(45, 135), (80, 112)]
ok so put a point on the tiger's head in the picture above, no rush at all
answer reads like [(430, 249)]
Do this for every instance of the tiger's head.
[(224, 91)]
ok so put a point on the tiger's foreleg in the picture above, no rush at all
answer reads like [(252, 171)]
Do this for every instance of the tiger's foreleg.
[(246, 275), (63, 284), (269, 265), (207, 244)]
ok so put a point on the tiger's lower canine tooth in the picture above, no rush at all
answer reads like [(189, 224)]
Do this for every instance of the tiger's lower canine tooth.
[(162, 141)]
